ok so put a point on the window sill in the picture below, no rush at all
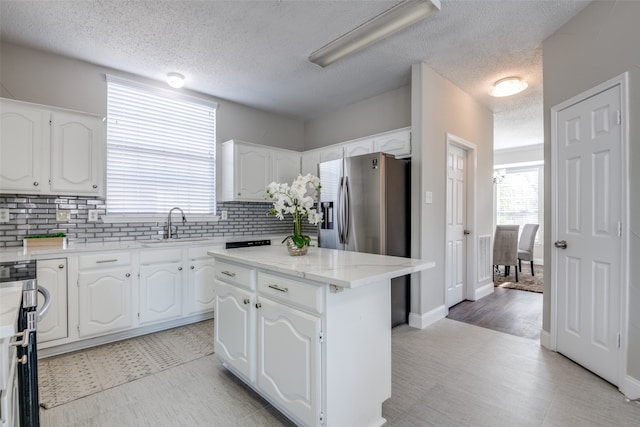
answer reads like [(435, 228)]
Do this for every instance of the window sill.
[(118, 219)]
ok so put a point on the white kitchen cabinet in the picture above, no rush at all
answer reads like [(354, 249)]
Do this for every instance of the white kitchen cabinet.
[(310, 160), (77, 154), (358, 148), (105, 293), (248, 168), (397, 143), (160, 285), (235, 329), (24, 148), (332, 152), (45, 150), (288, 358), (201, 295), (52, 275)]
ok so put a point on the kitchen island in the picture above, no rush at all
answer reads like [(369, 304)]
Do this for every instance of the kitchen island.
[(310, 334)]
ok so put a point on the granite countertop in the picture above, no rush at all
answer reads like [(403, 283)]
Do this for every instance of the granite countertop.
[(10, 298), (328, 266), (19, 253)]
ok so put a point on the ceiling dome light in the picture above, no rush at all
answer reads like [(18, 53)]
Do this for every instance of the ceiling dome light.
[(175, 80), (507, 87)]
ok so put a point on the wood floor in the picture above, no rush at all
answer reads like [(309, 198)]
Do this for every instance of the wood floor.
[(506, 310)]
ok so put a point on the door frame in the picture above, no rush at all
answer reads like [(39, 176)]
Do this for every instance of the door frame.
[(621, 80), (471, 151)]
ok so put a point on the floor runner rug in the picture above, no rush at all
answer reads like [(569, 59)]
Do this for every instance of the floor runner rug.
[(70, 376)]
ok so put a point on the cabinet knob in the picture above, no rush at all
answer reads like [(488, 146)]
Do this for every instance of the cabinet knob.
[(192, 267), (179, 268), (246, 301), (61, 266), (127, 275), (95, 186), (36, 183), (258, 305)]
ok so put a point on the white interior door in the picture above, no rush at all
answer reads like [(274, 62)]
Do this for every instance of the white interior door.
[(456, 263), (588, 226)]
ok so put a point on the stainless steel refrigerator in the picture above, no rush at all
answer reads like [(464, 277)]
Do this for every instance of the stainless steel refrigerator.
[(366, 206)]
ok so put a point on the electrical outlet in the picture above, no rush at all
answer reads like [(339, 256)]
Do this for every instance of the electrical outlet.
[(4, 272), (93, 215), (4, 215), (63, 215), (223, 215)]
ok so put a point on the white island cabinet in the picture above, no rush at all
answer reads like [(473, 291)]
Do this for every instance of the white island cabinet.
[(310, 334)]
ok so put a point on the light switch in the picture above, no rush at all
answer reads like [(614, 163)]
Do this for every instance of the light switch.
[(4, 215), (92, 215), (428, 197), (63, 215)]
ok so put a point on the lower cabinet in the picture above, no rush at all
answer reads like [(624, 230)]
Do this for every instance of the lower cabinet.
[(52, 275), (201, 296), (104, 293), (161, 277), (288, 357)]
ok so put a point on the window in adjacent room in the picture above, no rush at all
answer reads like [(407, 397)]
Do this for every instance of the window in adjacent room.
[(161, 149), (518, 196)]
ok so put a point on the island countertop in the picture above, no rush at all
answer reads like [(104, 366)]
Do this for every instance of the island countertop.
[(329, 266)]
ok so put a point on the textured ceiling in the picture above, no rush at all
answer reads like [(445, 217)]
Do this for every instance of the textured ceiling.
[(255, 52)]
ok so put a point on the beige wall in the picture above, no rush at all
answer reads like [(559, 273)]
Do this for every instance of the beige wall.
[(438, 108), (388, 111), (599, 43), (49, 79)]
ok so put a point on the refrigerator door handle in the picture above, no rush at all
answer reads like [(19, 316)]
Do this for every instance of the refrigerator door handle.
[(347, 213), (339, 208)]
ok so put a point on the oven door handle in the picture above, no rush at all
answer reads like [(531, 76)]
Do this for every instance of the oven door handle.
[(47, 302)]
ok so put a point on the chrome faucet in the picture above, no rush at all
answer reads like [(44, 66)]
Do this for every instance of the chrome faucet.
[(170, 234)]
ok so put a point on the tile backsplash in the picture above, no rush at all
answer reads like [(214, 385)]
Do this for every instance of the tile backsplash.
[(37, 215)]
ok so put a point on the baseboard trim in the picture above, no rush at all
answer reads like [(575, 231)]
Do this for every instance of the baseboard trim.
[(421, 321), (630, 387), (118, 336), (483, 291), (545, 339)]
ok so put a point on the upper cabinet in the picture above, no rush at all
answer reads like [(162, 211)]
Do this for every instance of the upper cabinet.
[(248, 168), (45, 150), (397, 142)]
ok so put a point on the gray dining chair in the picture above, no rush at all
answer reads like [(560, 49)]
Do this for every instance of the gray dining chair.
[(505, 248), (525, 245)]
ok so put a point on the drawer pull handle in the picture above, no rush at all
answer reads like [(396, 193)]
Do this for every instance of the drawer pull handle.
[(228, 273), (278, 288), (102, 261)]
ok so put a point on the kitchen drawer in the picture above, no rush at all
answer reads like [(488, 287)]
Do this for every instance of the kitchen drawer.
[(104, 260), (235, 274), (160, 256), (290, 291)]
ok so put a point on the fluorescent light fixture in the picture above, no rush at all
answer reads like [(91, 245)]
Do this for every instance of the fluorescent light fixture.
[(175, 80), (382, 26), (508, 86)]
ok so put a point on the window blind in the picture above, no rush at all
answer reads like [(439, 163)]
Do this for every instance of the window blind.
[(517, 197), (160, 151)]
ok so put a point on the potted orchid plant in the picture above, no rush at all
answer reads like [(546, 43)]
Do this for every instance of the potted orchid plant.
[(297, 200)]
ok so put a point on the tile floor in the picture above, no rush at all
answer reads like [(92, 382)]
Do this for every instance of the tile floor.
[(449, 374)]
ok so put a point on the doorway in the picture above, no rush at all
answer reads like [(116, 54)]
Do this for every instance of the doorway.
[(460, 220), (589, 183)]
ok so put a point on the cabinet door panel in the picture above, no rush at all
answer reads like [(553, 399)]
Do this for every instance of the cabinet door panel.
[(396, 143), (160, 292), (289, 359), (252, 174), (24, 148), (201, 289), (286, 166), (235, 329), (52, 275), (358, 148), (76, 154), (105, 301)]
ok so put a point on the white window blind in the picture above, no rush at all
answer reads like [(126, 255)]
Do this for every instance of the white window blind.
[(517, 197), (160, 151)]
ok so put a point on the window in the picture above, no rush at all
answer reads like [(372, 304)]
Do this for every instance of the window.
[(160, 151), (518, 196)]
